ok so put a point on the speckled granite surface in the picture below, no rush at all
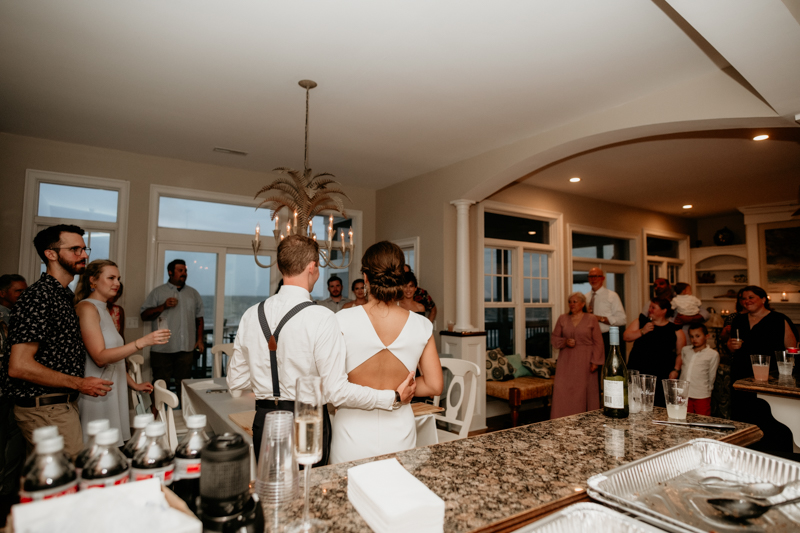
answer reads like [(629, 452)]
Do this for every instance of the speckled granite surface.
[(494, 481), (778, 385)]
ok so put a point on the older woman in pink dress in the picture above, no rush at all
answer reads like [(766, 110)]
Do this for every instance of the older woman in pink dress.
[(577, 336)]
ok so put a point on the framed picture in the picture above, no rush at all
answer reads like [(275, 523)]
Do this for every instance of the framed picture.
[(780, 256)]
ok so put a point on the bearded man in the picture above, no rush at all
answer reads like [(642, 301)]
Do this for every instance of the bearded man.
[(46, 363)]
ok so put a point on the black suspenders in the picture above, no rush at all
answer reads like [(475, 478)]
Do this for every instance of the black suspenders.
[(272, 340)]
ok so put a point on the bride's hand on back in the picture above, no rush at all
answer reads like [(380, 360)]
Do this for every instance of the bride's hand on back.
[(407, 388)]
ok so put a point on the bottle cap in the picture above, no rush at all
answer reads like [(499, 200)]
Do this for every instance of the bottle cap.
[(613, 335), (44, 433), (195, 421), (96, 426), (56, 444), (141, 421), (108, 437), (155, 429)]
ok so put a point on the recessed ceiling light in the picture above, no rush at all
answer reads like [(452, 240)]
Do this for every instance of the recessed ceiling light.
[(531, 233), (575, 180), (761, 137), (687, 206)]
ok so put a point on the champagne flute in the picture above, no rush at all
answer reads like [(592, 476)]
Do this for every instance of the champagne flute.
[(308, 406)]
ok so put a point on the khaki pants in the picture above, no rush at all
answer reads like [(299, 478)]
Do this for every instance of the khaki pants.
[(64, 416)]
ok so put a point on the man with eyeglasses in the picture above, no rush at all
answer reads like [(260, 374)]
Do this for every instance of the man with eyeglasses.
[(46, 363), (604, 304)]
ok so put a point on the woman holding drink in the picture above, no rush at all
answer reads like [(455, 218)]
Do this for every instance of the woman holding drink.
[(106, 351)]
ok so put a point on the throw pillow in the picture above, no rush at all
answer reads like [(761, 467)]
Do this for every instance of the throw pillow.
[(538, 367), (497, 366), (519, 370)]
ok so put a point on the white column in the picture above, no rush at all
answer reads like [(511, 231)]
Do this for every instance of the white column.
[(463, 302)]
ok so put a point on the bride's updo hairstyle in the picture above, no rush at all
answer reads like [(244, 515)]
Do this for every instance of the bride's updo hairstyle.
[(383, 265)]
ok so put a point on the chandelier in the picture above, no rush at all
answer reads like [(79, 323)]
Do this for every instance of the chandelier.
[(303, 196)]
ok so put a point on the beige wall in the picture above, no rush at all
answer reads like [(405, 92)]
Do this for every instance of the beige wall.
[(17, 154)]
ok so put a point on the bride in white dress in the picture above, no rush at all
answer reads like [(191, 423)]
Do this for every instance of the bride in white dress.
[(384, 343)]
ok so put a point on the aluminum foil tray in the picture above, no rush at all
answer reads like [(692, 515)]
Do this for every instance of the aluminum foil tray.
[(588, 517), (665, 488)]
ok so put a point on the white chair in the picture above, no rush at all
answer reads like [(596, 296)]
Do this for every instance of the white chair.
[(460, 369), (166, 401), (218, 351), (135, 363)]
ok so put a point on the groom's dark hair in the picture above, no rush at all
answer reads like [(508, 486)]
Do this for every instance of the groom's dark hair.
[(295, 252)]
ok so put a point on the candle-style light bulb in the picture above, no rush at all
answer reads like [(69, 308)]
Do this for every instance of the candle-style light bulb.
[(295, 219), (258, 231), (288, 229), (351, 235), (341, 234), (277, 225)]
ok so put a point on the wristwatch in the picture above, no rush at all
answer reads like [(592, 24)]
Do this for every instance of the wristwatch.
[(397, 402)]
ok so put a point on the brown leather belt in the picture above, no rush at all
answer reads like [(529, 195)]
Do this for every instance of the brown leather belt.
[(47, 399)]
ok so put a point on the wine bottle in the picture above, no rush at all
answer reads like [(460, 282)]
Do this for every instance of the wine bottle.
[(615, 379)]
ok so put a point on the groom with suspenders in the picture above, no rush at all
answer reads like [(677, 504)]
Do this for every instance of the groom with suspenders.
[(287, 336)]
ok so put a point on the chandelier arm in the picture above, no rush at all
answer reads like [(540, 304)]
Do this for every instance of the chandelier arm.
[(256, 247)]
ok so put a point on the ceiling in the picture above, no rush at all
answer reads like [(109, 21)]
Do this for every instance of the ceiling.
[(404, 87)]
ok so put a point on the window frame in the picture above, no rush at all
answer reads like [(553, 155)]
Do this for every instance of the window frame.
[(663, 263), (32, 223), (411, 243), (555, 266)]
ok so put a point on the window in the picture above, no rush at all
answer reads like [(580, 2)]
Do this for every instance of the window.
[(97, 205), (666, 255), (599, 247), (518, 279)]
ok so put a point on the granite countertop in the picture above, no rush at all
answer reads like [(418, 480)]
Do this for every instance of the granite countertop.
[(780, 386), (500, 481)]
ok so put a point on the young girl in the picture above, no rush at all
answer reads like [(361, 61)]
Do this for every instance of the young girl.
[(699, 368)]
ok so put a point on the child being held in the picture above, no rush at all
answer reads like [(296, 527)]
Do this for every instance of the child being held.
[(686, 306), (700, 368)]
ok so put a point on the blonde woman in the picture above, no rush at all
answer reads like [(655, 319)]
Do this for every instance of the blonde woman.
[(106, 351)]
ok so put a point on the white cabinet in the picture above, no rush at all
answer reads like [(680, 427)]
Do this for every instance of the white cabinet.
[(727, 267)]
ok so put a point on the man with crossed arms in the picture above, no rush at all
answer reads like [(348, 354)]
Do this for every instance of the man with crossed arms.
[(309, 344)]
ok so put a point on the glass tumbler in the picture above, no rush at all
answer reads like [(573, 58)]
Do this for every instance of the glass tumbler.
[(760, 367), (634, 392), (648, 385)]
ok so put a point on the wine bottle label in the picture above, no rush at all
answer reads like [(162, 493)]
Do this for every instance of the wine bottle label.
[(187, 468), (613, 394), (47, 494), (164, 474), (119, 479)]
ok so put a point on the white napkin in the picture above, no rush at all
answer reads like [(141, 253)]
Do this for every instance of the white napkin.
[(392, 500), (128, 508), (207, 384)]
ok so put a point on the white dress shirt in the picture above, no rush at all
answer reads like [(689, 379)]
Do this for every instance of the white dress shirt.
[(181, 319), (607, 303), (310, 344), (700, 369)]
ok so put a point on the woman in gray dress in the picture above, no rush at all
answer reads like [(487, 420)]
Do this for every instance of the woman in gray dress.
[(106, 351)]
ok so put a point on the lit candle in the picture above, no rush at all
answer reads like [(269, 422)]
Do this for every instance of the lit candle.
[(295, 219), (288, 229), (277, 226), (281, 236), (330, 233), (351, 235), (258, 231), (310, 228), (330, 220), (341, 234), (783, 297), (314, 236)]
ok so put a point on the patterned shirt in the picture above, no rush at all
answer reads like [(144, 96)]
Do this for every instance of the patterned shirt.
[(45, 313), (421, 296)]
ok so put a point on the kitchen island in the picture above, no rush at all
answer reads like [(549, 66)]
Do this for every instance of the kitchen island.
[(500, 481), (782, 393)]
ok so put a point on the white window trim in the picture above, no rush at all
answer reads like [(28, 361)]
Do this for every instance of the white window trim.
[(682, 259), (632, 284), (153, 275), (556, 237), (28, 266), (411, 242)]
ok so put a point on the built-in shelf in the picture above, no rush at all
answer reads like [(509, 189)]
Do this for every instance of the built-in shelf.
[(724, 262)]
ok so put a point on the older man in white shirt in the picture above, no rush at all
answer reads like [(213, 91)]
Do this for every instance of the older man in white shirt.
[(308, 344), (604, 304)]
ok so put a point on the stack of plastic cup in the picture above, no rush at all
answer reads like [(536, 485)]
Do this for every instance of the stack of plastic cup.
[(648, 385), (278, 473)]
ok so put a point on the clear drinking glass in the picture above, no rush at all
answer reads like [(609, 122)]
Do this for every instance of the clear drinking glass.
[(278, 474), (634, 392), (785, 362), (676, 394), (648, 385), (308, 406), (760, 367), (161, 323)]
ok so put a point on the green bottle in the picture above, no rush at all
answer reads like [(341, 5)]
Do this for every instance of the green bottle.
[(615, 379)]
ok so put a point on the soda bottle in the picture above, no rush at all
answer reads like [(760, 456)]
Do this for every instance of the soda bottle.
[(94, 427), (51, 475), (39, 434), (138, 438), (187, 461), (107, 466), (154, 459)]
